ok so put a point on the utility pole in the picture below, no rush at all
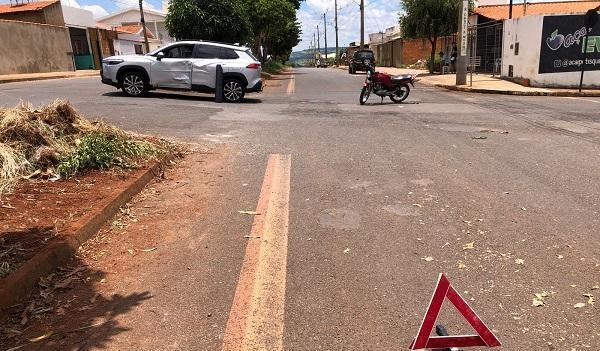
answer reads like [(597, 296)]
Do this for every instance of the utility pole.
[(337, 48), (318, 45), (144, 27), (510, 6), (315, 49), (362, 24), (325, 23)]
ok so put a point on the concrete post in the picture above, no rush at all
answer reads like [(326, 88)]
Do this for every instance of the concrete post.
[(219, 85), (462, 45)]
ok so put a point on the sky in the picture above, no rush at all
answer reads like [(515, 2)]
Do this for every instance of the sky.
[(379, 15)]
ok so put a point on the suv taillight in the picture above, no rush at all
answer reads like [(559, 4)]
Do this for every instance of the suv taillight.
[(253, 66)]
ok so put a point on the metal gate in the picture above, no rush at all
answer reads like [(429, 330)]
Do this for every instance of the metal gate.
[(485, 49)]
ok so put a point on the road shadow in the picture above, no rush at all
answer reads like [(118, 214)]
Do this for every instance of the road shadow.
[(67, 311), (179, 96)]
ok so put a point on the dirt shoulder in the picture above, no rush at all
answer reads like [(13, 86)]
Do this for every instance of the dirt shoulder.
[(80, 305)]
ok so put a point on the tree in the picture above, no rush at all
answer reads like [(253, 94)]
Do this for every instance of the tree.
[(429, 19), (216, 20), (274, 26)]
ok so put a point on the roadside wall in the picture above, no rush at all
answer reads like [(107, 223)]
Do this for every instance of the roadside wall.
[(527, 55), (397, 52), (34, 48)]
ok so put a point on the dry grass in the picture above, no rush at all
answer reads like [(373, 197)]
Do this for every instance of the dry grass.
[(32, 139)]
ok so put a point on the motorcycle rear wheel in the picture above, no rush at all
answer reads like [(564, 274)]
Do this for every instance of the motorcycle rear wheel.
[(364, 95), (400, 94)]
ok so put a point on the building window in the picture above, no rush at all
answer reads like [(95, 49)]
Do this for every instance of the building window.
[(138, 49)]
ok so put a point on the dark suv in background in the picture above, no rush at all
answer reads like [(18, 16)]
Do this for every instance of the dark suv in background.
[(356, 63)]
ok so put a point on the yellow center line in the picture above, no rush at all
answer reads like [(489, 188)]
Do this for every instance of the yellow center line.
[(291, 88), (256, 317)]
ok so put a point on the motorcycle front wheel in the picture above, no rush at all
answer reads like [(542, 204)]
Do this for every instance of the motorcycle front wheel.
[(400, 94), (364, 95)]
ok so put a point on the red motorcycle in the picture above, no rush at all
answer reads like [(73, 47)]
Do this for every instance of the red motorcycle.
[(382, 84)]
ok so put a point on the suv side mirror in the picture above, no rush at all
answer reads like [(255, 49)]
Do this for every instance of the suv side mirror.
[(160, 56)]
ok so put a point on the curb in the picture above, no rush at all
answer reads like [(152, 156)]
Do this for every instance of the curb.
[(518, 93), (62, 76), (18, 285)]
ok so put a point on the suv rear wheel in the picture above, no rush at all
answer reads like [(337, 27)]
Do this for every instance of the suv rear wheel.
[(133, 83), (233, 91)]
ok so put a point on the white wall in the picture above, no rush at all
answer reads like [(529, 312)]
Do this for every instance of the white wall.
[(76, 17), (155, 22), (527, 32)]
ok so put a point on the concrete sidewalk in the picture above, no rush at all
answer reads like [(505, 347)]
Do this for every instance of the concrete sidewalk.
[(484, 83), (9, 78)]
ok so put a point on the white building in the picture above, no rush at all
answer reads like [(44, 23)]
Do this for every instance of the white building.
[(127, 22)]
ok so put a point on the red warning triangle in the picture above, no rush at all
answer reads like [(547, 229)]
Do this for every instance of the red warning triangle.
[(424, 340)]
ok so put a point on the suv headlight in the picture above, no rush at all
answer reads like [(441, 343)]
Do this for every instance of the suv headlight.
[(112, 61)]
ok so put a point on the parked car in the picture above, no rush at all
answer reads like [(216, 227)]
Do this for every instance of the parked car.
[(357, 62), (186, 65)]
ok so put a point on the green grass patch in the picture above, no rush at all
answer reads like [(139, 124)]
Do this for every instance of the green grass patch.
[(273, 67), (102, 151)]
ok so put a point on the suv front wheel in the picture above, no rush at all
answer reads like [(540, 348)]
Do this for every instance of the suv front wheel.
[(233, 91), (134, 84)]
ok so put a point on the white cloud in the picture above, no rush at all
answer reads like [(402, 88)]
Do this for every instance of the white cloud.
[(97, 10)]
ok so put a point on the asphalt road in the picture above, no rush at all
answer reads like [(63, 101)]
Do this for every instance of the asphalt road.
[(501, 193)]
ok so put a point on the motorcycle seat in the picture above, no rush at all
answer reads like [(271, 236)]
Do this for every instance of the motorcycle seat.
[(402, 78)]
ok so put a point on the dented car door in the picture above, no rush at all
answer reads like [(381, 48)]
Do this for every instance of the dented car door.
[(174, 70)]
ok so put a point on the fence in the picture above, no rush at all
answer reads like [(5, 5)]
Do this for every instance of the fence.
[(486, 47)]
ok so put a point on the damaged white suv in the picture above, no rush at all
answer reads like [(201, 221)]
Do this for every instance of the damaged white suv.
[(186, 65)]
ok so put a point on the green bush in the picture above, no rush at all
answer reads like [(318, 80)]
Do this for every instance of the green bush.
[(101, 151), (273, 67)]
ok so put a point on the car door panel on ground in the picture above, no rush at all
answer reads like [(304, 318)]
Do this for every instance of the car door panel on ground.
[(175, 69)]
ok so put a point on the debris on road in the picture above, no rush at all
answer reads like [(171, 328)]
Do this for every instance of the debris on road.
[(427, 258), (469, 246), (251, 213), (520, 261), (538, 300), (251, 237), (481, 137), (591, 299), (150, 250), (347, 250), (579, 305)]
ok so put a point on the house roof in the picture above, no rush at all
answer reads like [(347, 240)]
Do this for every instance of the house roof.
[(31, 6), (134, 29), (500, 12), (131, 9)]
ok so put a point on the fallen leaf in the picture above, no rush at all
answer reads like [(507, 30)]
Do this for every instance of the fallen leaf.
[(591, 299), (427, 258), (560, 257), (538, 302), (469, 246), (347, 250), (461, 265), (254, 237), (418, 205), (149, 250), (42, 337), (596, 287), (131, 251), (446, 244), (252, 213), (519, 261), (523, 209), (579, 305), (479, 137)]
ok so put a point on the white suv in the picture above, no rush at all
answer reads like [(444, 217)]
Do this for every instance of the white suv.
[(187, 65)]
